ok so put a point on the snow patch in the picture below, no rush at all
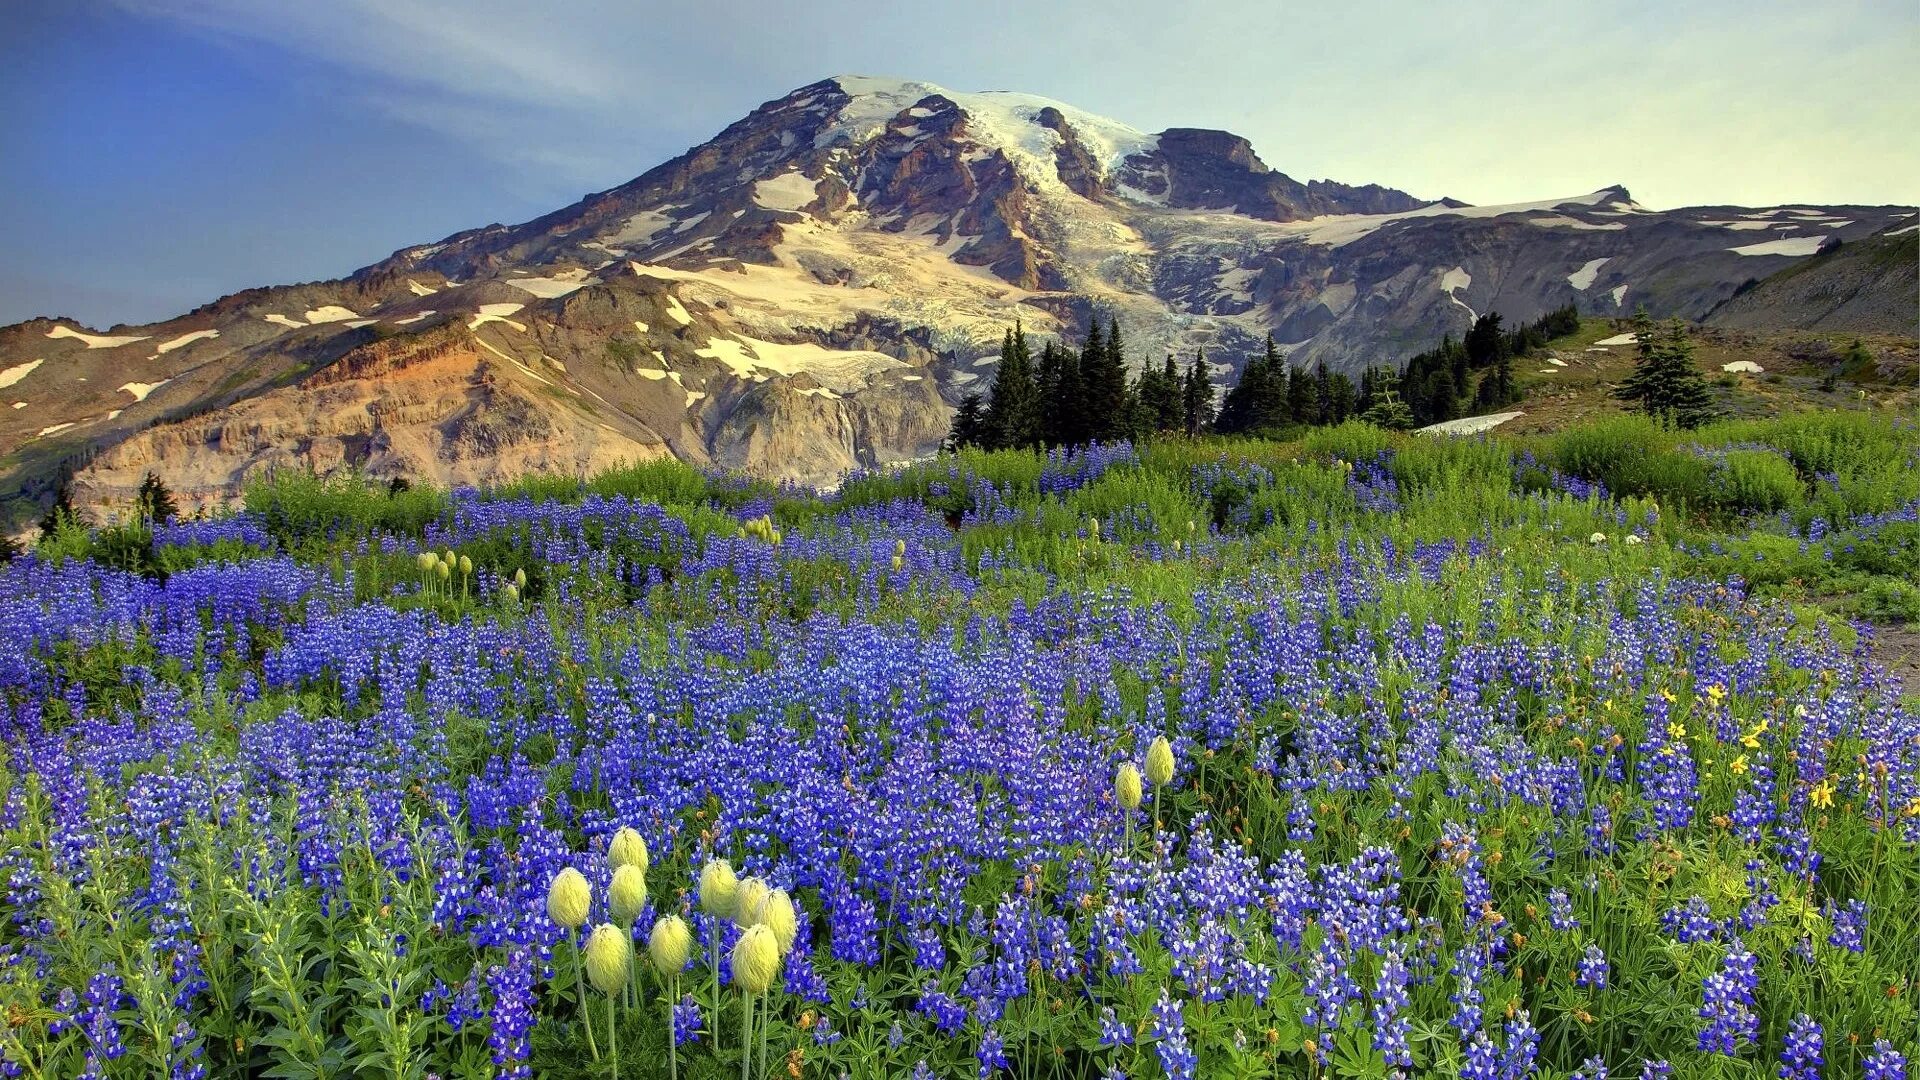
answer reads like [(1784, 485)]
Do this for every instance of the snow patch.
[(677, 312), (1562, 221), (1454, 280), (419, 289), (327, 313), (1791, 245), (54, 430), (1338, 230), (1897, 232), (788, 191), (19, 404), (184, 339), (1747, 366), (845, 371), (17, 372), (1470, 425), (355, 324), (1620, 339), (140, 390), (1582, 278), (1619, 293), (496, 313), (548, 288), (278, 319), (640, 326), (95, 341), (411, 318)]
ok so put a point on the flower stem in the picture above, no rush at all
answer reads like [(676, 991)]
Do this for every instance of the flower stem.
[(580, 989)]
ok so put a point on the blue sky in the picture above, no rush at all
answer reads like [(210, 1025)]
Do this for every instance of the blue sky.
[(161, 153)]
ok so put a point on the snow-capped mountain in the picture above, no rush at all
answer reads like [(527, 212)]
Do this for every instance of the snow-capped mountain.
[(816, 286)]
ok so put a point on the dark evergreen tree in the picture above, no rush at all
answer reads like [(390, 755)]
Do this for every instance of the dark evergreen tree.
[(1013, 412), (1103, 368), (1484, 344), (1303, 407), (1164, 397), (1340, 401), (1197, 395), (1665, 383), (1323, 396), (60, 514), (1496, 388), (969, 424), (154, 502), (1063, 409), (1387, 410)]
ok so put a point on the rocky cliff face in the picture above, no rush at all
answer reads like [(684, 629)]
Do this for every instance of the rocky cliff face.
[(817, 286)]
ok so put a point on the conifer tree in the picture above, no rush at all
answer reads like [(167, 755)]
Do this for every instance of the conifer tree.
[(1104, 372), (60, 514), (1197, 395), (1665, 383), (1063, 411), (1013, 411), (1302, 406), (154, 501), (969, 423), (1388, 411)]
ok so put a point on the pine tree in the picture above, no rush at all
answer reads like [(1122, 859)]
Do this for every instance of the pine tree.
[(969, 423), (1013, 412), (154, 502), (1665, 383), (1485, 344), (1168, 400)]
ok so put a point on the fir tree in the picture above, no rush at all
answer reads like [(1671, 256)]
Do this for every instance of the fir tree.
[(1164, 397), (1302, 405), (1388, 411), (1063, 406), (154, 502), (1665, 383), (1197, 395), (969, 423), (1103, 369), (1013, 412), (60, 514)]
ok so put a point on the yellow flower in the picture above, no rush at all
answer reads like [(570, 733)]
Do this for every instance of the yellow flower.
[(1126, 785), (609, 958), (1739, 766), (669, 944), (756, 960), (1822, 794), (568, 899), (627, 849), (1159, 762), (1668, 694), (1715, 693), (1676, 730)]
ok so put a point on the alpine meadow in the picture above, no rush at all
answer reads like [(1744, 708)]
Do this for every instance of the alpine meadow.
[(939, 583)]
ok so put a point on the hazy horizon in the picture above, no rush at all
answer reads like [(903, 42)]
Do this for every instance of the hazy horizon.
[(168, 152)]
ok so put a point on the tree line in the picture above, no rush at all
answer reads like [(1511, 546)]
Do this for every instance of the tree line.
[(1072, 397)]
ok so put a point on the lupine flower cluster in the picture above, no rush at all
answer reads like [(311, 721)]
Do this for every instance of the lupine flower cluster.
[(1105, 765)]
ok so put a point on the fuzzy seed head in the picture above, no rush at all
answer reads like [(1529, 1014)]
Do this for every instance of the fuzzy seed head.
[(627, 849), (752, 901), (899, 549), (627, 894), (426, 561), (443, 571), (609, 957), (719, 889), (466, 565), (778, 915), (1126, 785), (568, 899), (1160, 762), (756, 960), (669, 944), (520, 578)]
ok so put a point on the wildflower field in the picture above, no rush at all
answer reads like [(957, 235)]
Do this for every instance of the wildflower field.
[(1360, 756)]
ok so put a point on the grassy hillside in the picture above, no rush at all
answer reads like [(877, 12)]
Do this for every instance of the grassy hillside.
[(1802, 371)]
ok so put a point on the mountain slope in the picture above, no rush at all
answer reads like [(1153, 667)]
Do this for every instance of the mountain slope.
[(816, 286), (1868, 285)]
